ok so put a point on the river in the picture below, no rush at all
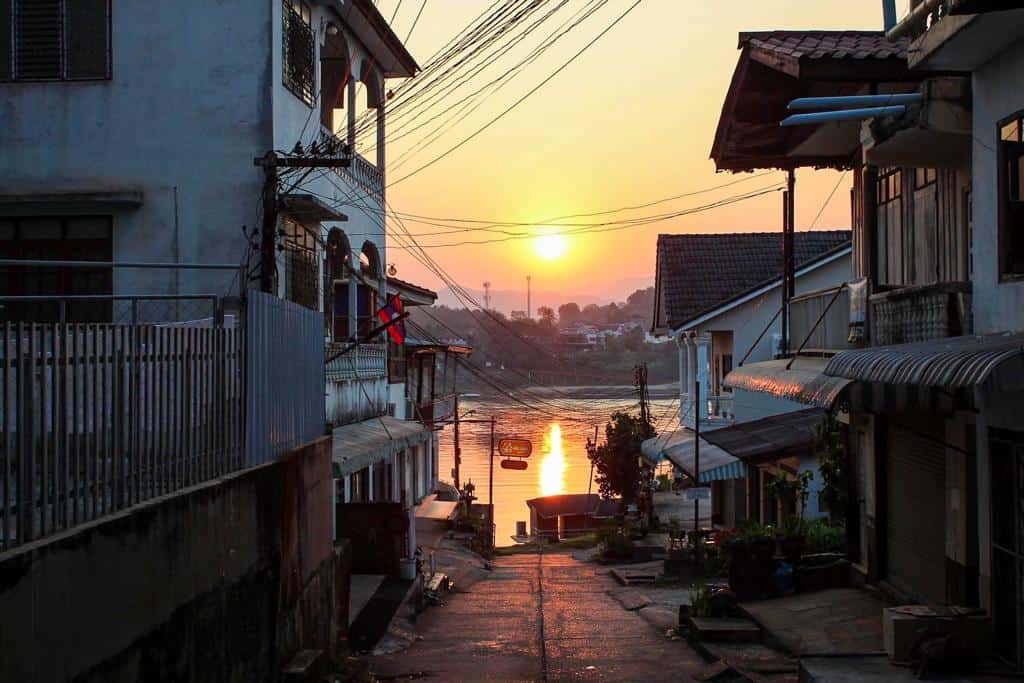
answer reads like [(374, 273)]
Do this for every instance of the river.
[(559, 435)]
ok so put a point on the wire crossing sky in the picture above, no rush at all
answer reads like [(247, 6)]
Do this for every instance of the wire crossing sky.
[(628, 123)]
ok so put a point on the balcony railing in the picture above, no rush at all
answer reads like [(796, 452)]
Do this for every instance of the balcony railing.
[(913, 314), (718, 408), (360, 172), (820, 320), (921, 18), (365, 361)]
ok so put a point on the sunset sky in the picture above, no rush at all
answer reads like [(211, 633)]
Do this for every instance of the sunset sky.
[(630, 122)]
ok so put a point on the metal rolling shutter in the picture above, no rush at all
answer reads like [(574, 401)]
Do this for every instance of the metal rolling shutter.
[(916, 526)]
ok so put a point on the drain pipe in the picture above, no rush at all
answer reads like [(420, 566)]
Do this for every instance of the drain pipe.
[(917, 16)]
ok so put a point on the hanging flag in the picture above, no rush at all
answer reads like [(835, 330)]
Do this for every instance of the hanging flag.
[(389, 313)]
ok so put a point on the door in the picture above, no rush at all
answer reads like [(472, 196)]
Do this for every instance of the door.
[(862, 475), (1007, 466), (916, 520)]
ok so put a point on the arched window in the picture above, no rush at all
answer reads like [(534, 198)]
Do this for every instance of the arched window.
[(370, 270), (336, 271), (335, 73)]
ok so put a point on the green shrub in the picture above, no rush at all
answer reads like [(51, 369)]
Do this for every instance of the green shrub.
[(823, 536), (616, 543)]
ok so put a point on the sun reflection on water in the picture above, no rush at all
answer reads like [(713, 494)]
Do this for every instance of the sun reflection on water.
[(552, 467)]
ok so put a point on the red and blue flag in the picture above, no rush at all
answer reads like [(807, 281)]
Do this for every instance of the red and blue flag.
[(390, 312)]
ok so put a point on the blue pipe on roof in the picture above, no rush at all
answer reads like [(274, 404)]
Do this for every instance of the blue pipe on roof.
[(842, 102), (843, 115)]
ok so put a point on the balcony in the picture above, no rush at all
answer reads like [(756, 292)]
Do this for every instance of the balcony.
[(956, 35), (717, 411), (819, 321), (361, 172), (365, 361), (920, 313)]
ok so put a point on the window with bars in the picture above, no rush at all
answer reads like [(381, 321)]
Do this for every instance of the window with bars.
[(298, 49), (54, 40), (60, 238), (1011, 195), (300, 263)]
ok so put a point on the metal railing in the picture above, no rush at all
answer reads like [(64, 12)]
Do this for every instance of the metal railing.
[(99, 417), (821, 319), (365, 361)]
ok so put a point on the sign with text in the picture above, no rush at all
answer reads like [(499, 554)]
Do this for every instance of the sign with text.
[(515, 448), (513, 464)]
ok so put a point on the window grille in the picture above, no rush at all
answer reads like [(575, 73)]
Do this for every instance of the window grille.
[(890, 184), (298, 50), (54, 40), (300, 262), (1011, 195)]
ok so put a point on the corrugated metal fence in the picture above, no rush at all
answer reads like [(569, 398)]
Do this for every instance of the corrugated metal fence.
[(99, 417), (285, 402)]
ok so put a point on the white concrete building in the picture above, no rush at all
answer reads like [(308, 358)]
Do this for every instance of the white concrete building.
[(718, 296)]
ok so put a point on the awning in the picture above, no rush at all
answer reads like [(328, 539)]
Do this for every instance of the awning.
[(678, 447), (306, 208), (770, 438), (361, 444), (995, 361), (804, 382)]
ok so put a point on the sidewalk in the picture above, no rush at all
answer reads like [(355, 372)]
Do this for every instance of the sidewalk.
[(829, 622)]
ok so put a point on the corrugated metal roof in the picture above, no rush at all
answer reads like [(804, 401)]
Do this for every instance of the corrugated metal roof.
[(677, 448), (804, 382), (361, 444), (770, 438), (951, 363)]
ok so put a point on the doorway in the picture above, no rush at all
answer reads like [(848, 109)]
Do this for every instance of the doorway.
[(1006, 450)]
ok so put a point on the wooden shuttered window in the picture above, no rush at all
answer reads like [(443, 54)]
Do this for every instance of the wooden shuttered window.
[(54, 40)]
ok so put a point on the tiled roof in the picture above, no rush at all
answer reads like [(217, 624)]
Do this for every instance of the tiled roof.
[(698, 273), (827, 44)]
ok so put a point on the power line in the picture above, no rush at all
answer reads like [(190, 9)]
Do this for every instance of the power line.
[(519, 101)]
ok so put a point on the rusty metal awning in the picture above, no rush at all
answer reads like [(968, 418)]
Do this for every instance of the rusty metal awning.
[(995, 361), (770, 438), (804, 381), (362, 444)]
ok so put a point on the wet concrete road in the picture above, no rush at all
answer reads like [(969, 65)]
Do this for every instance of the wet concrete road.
[(539, 618)]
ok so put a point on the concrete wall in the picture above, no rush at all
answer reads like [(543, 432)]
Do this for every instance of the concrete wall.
[(184, 114), (998, 306), (222, 582)]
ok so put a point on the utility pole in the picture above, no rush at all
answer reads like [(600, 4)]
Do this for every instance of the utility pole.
[(487, 296), (590, 483), (490, 487), (696, 478), (458, 451), (270, 162), (529, 309), (788, 227)]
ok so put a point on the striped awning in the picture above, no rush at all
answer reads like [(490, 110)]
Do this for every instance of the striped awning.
[(803, 381), (995, 360), (678, 448)]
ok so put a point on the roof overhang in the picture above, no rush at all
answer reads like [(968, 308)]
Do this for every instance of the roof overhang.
[(749, 137), (420, 346), (680, 449), (411, 295), (965, 42), (798, 379), (63, 203), (771, 438), (361, 444), (371, 29), (993, 362), (306, 208), (745, 297)]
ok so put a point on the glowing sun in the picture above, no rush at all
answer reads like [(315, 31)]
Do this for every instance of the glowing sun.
[(549, 247)]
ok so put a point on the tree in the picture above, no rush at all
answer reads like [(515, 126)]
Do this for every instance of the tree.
[(546, 315), (617, 460), (832, 463), (593, 313), (568, 313)]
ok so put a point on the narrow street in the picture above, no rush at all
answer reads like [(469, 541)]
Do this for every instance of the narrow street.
[(539, 618)]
